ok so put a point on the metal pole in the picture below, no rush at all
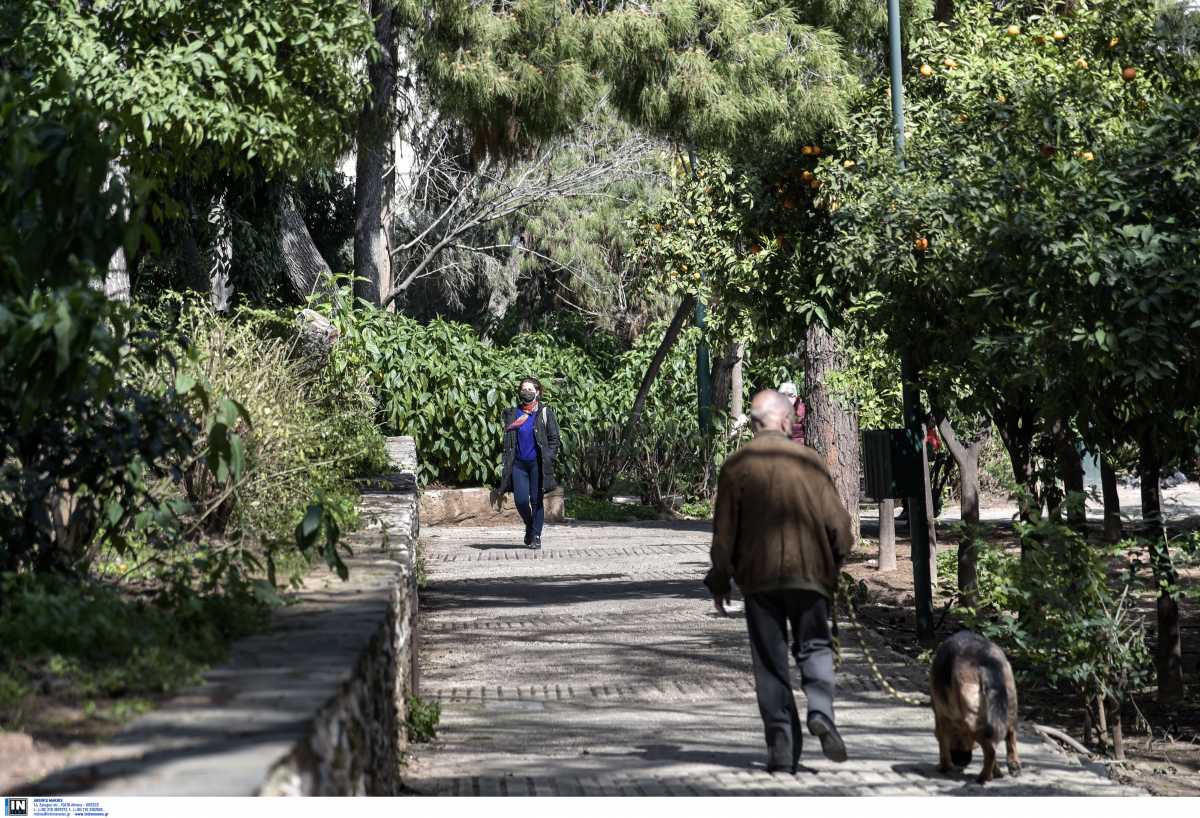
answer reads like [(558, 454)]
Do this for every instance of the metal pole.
[(897, 80), (918, 519)]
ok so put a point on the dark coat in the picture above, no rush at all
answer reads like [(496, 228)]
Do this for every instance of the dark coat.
[(546, 440), (778, 521)]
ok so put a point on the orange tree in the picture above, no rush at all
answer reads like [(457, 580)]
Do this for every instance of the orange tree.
[(1040, 248), (1043, 240)]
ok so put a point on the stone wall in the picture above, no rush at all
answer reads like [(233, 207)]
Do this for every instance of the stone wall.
[(315, 705), (357, 740), (474, 507)]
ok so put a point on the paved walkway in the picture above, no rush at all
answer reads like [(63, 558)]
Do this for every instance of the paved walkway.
[(598, 667)]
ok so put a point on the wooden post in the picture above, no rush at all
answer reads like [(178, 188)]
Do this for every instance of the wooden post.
[(1118, 739), (887, 535)]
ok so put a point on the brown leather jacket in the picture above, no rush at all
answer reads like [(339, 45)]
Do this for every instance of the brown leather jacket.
[(778, 521)]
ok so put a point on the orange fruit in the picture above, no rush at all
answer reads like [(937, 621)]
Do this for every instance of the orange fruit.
[(926, 70), (1087, 156), (849, 163), (1113, 42), (1059, 35), (807, 150), (1014, 30), (1129, 74), (1081, 63), (921, 244)]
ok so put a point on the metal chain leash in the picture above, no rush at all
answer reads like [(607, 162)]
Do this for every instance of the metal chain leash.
[(845, 594)]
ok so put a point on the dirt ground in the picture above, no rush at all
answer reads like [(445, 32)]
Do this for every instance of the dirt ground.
[(1162, 749), (57, 733)]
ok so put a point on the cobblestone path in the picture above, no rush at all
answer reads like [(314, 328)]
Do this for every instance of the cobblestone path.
[(597, 666)]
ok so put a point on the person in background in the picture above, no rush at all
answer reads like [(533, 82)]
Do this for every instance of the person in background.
[(781, 532), (531, 441), (788, 390)]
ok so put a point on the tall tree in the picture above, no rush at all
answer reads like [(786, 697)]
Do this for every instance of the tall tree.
[(375, 180), (203, 89), (832, 427)]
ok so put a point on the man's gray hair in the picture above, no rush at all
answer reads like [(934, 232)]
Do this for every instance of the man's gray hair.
[(769, 408)]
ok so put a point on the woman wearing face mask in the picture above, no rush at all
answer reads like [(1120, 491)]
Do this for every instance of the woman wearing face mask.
[(530, 447)]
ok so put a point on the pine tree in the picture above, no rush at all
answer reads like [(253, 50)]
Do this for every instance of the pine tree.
[(722, 74)]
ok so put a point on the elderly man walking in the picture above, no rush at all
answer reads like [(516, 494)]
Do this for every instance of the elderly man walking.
[(781, 532)]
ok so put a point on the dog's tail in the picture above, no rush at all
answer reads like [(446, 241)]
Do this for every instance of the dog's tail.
[(995, 697)]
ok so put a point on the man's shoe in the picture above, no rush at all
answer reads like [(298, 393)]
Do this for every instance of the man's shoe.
[(528, 537), (537, 543), (832, 745)]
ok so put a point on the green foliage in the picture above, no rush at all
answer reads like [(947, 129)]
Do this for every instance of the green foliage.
[(1056, 254), (700, 509), (738, 72), (442, 385), (86, 640), (196, 87), (295, 439), (422, 720), (1057, 612), (77, 443), (590, 508)]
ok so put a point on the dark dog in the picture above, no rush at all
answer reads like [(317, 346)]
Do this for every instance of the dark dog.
[(974, 702)]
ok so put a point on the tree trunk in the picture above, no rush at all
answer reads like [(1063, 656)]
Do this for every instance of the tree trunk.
[(660, 355), (887, 535), (1118, 737), (832, 429), (116, 278), (1169, 656), (220, 256), (966, 456), (1149, 474), (1016, 425), (1088, 731), (374, 183), (722, 378), (1070, 466), (1102, 722), (306, 269), (1112, 501), (736, 381)]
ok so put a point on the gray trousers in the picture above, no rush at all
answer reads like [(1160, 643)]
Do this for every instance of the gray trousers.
[(769, 615)]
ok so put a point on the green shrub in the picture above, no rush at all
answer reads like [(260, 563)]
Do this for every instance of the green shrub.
[(443, 386), (84, 639), (598, 510), (1057, 612), (302, 437), (77, 443), (422, 721)]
